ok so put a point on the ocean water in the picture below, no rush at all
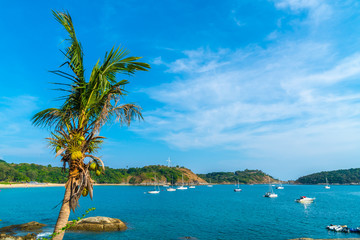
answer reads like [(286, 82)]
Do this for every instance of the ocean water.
[(201, 213)]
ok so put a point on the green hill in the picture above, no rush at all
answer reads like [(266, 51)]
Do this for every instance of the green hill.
[(347, 176), (25, 172), (244, 177)]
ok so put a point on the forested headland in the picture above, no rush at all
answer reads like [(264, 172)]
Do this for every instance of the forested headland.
[(244, 177), (343, 176), (27, 172)]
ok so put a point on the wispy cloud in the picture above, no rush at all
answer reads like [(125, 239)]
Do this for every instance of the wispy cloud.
[(318, 10), (19, 140), (289, 101)]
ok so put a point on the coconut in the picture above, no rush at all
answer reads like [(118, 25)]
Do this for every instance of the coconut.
[(98, 172), (93, 166), (85, 192), (76, 155), (82, 138), (58, 148)]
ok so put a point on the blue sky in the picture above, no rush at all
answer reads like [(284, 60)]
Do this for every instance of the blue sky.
[(267, 84)]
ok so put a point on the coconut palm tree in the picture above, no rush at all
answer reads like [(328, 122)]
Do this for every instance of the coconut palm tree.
[(86, 106)]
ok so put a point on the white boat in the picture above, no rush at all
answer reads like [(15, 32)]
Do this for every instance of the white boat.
[(304, 199), (327, 185), (191, 186), (238, 187), (270, 193), (155, 191), (182, 187), (171, 189), (280, 187), (210, 185), (166, 185)]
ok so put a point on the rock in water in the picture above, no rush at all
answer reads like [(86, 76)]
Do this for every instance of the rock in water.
[(99, 224), (28, 227), (29, 236)]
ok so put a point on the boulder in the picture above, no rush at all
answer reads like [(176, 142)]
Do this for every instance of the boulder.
[(98, 224), (29, 236), (26, 227)]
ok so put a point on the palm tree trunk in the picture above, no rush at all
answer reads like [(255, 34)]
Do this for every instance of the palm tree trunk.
[(64, 213)]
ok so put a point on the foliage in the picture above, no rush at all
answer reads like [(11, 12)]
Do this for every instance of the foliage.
[(25, 172), (338, 177), (244, 177)]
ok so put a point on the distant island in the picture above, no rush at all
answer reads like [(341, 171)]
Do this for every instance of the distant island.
[(26, 172), (244, 177), (343, 176)]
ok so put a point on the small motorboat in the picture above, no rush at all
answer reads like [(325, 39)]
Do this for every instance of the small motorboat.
[(191, 186), (271, 195), (304, 199), (339, 228)]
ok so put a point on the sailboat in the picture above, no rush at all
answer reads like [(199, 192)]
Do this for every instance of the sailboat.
[(270, 193), (327, 184), (210, 185), (280, 187), (154, 191), (238, 187), (182, 187), (171, 189)]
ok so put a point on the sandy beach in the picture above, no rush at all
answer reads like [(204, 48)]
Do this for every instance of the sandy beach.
[(28, 185)]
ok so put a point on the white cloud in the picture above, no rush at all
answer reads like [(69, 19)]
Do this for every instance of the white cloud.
[(274, 103), (200, 60), (18, 138), (318, 10)]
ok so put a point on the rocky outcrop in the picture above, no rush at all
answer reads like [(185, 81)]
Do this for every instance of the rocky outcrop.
[(29, 236), (26, 227), (99, 224), (192, 177)]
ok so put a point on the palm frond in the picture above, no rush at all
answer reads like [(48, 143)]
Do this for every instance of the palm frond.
[(47, 118), (74, 52)]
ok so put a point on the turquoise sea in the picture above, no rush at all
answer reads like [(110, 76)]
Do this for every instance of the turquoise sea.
[(201, 213)]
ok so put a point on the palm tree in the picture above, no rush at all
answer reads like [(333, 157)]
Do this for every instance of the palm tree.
[(86, 106)]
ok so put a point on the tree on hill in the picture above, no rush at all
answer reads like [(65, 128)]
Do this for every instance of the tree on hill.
[(86, 106)]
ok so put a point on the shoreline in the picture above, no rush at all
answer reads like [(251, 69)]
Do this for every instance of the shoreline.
[(30, 185)]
